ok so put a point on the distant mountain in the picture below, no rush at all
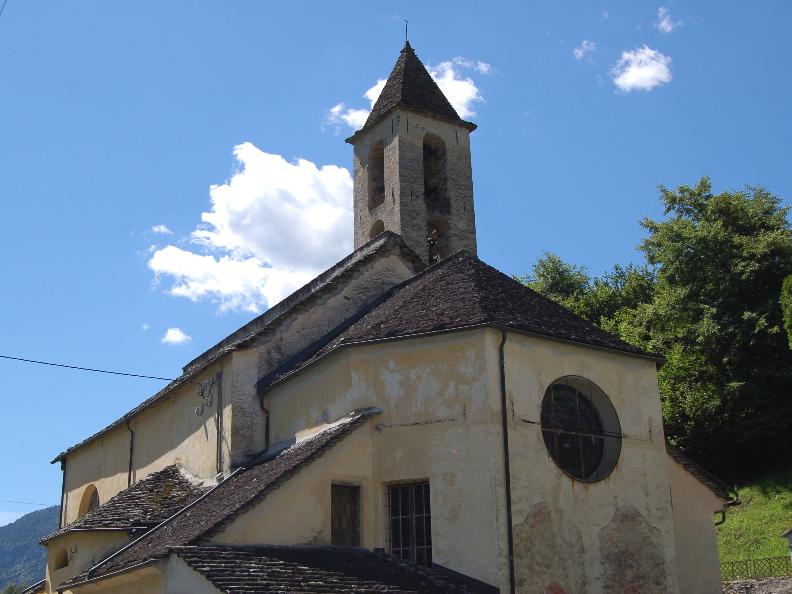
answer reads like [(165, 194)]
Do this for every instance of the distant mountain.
[(21, 557)]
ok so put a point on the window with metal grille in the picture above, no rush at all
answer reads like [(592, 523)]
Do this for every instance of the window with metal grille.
[(580, 428), (411, 522), (345, 515)]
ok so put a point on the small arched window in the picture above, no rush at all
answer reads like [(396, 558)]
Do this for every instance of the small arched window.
[(61, 559), (435, 174), (89, 501), (580, 428), (376, 175), (376, 229)]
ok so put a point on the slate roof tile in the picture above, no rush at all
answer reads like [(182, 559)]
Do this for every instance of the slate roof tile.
[(141, 506), (315, 570), (210, 512), (411, 87), (459, 292)]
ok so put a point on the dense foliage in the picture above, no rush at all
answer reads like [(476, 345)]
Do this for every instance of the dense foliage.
[(22, 559), (786, 307), (710, 302)]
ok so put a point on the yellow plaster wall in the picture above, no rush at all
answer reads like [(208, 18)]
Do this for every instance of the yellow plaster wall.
[(438, 396), (84, 550), (572, 536), (274, 520), (180, 578), (697, 548), (167, 433), (146, 580)]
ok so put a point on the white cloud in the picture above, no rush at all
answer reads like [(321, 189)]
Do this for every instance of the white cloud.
[(175, 336), (271, 228), (144, 326), (161, 229), (665, 23), (477, 65), (641, 69), (461, 91), (341, 114), (584, 48)]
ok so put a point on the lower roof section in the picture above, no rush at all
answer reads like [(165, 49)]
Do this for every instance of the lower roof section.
[(314, 569)]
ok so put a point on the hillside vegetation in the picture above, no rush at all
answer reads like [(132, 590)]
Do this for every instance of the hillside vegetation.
[(21, 557), (752, 529)]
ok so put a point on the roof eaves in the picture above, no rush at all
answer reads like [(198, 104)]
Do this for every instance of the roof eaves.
[(67, 530), (265, 387), (470, 126), (39, 586)]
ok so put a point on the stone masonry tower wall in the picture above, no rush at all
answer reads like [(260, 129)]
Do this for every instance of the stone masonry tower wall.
[(412, 167), (405, 209)]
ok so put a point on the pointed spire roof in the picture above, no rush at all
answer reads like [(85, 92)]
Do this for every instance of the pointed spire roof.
[(411, 87)]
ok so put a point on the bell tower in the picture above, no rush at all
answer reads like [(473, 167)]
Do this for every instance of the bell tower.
[(412, 170)]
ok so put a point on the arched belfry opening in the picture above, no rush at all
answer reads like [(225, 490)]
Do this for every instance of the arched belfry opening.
[(437, 236), (376, 175), (435, 174)]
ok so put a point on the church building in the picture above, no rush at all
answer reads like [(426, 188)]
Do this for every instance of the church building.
[(412, 420)]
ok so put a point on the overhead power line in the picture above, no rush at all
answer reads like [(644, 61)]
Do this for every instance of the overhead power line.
[(27, 503), (91, 369), (2, 8)]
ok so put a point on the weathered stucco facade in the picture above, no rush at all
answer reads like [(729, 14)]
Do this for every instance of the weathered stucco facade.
[(397, 366)]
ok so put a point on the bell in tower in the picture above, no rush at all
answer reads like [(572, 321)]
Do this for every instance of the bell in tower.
[(412, 171)]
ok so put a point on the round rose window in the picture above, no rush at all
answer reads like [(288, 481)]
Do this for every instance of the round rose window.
[(580, 428)]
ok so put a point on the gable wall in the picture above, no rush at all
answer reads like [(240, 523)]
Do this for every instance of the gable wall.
[(696, 545), (437, 395), (167, 433), (572, 536), (84, 549), (304, 325), (148, 580)]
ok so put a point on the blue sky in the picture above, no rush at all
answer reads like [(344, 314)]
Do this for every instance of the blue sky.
[(117, 118)]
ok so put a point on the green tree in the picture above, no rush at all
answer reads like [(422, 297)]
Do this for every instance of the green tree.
[(727, 384), (786, 307), (710, 302), (599, 299)]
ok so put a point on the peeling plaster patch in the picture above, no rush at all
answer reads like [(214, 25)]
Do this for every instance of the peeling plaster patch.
[(426, 390), (631, 555), (470, 366), (392, 378), (547, 553)]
